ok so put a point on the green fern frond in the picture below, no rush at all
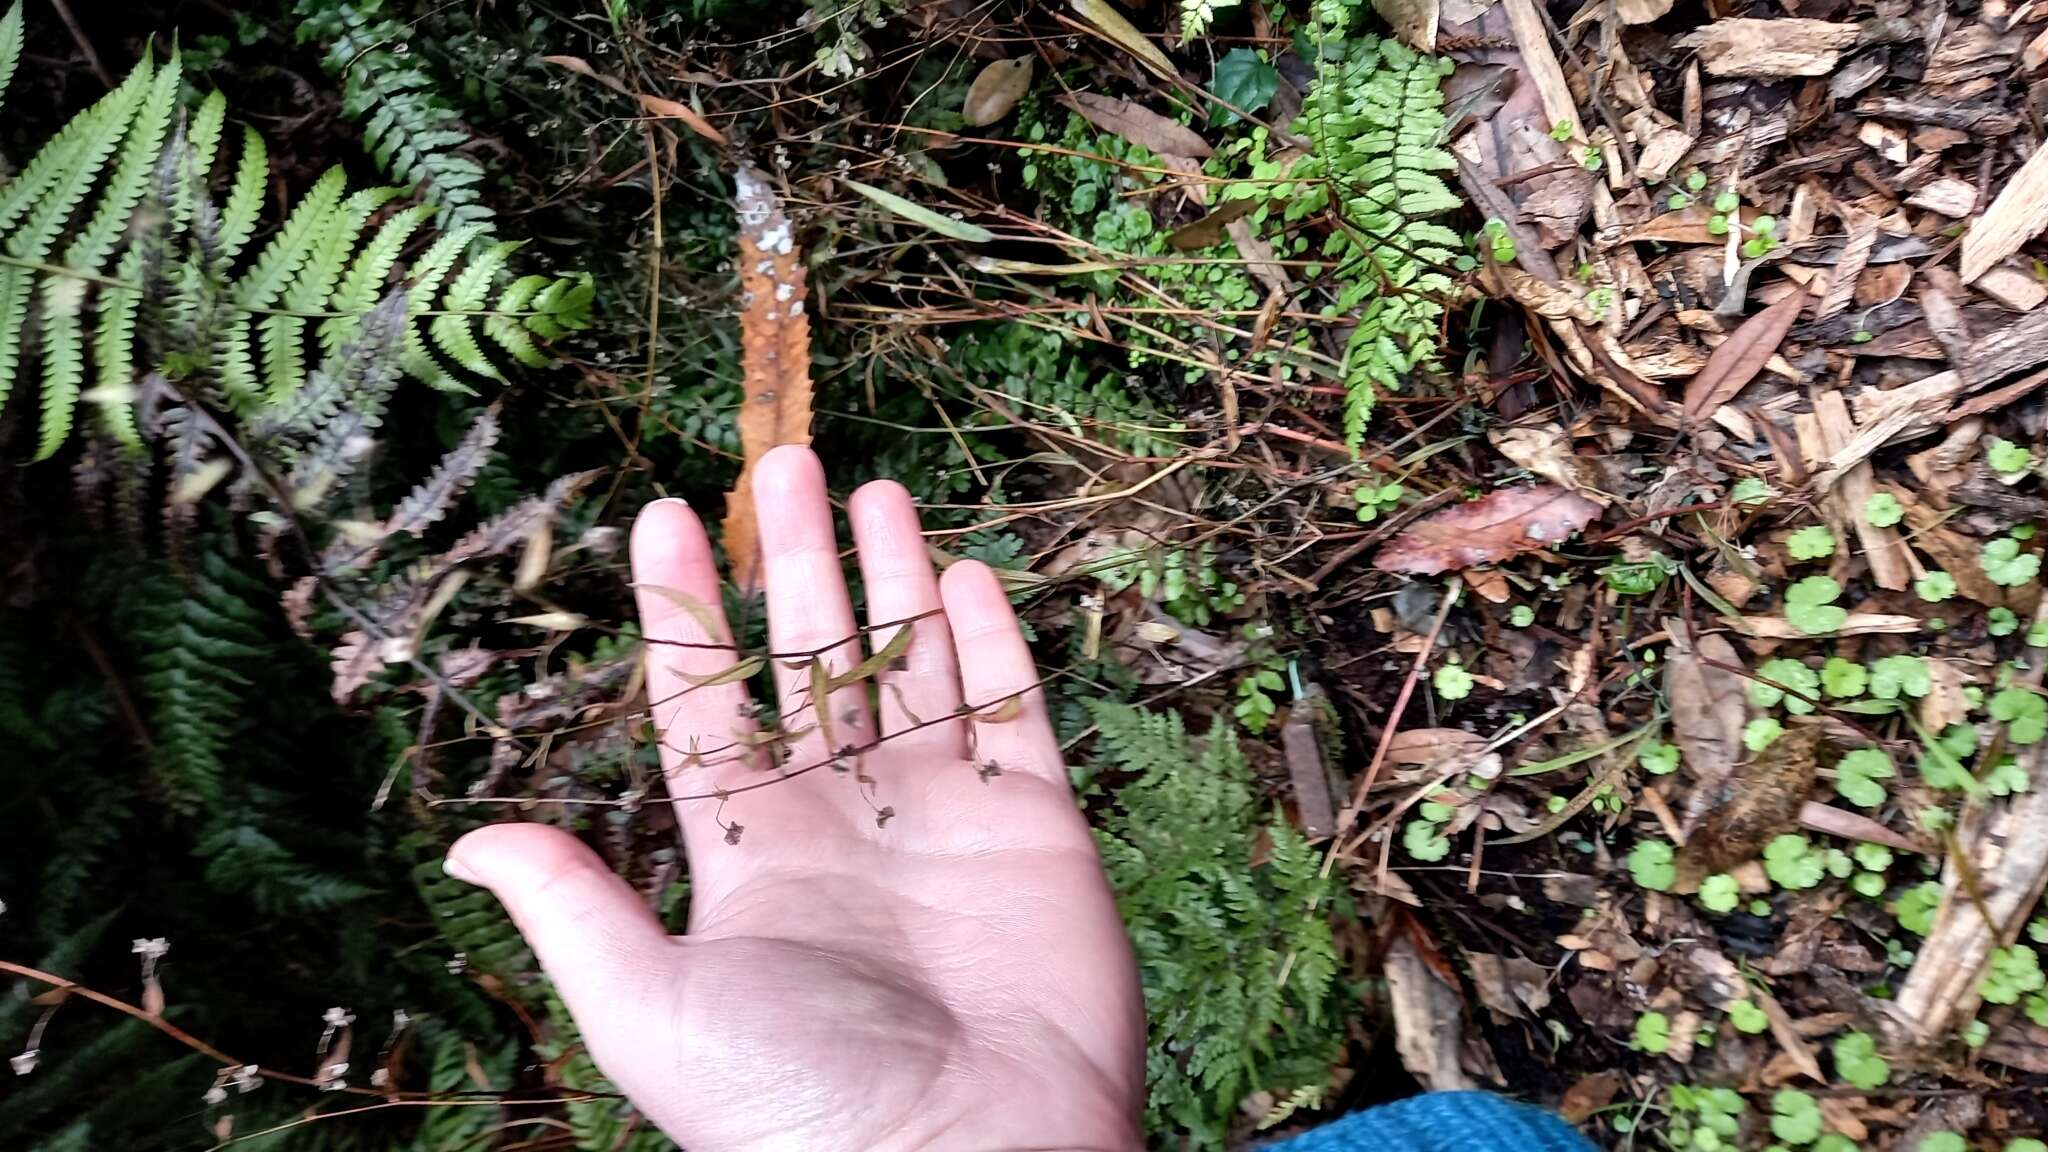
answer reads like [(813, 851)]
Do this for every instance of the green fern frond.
[(266, 280), (171, 273), (245, 197), (10, 44), (1211, 930), (364, 284), (1375, 118), (63, 294), (283, 336)]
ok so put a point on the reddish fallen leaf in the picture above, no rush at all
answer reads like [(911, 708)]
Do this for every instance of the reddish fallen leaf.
[(1740, 357), (775, 347), (1491, 528), (1138, 124)]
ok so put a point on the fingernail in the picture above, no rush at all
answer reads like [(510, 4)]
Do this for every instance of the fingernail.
[(454, 868)]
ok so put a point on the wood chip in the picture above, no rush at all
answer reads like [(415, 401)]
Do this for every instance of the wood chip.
[(2015, 217), (1744, 46), (1949, 196), (1882, 549), (2016, 288), (1427, 1015)]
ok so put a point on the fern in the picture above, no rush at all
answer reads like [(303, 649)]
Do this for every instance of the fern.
[(408, 129), (1213, 933), (180, 298), (208, 649), (1375, 119), (1196, 15)]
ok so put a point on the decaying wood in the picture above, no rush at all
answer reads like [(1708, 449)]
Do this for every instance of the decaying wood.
[(1979, 119), (2015, 217), (1539, 62), (775, 338), (2007, 850)]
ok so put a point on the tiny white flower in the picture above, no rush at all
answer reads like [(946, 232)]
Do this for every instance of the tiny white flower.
[(338, 1017)]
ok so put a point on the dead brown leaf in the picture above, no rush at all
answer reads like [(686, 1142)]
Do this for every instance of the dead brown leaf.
[(995, 91), (775, 337), (1413, 21), (1491, 528), (1138, 124), (1709, 705), (1740, 357), (1833, 821), (676, 110), (1208, 231)]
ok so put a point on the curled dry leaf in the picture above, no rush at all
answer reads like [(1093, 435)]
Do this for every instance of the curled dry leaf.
[(775, 339), (995, 91), (675, 110), (1139, 125), (1740, 357), (1493, 527), (1546, 451)]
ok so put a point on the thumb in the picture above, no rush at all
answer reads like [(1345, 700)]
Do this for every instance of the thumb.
[(594, 936)]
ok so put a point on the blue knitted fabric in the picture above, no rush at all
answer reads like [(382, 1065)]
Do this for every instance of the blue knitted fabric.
[(1442, 1122)]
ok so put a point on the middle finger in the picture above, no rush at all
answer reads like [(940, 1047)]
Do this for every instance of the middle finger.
[(810, 617)]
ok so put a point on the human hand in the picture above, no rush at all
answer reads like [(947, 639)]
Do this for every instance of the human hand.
[(952, 977)]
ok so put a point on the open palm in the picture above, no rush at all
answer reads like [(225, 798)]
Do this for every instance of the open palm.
[(910, 947)]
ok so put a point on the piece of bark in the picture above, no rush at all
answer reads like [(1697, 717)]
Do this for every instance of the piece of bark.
[(1745, 46), (1427, 1019), (2018, 347), (1861, 229), (1977, 119), (1886, 141), (1882, 549), (1938, 294), (1302, 747), (2008, 855), (1660, 142), (1996, 399), (1916, 409), (2016, 216), (1971, 52)]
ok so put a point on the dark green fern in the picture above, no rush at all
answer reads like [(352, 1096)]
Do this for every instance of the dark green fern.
[(408, 128), (1238, 961)]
